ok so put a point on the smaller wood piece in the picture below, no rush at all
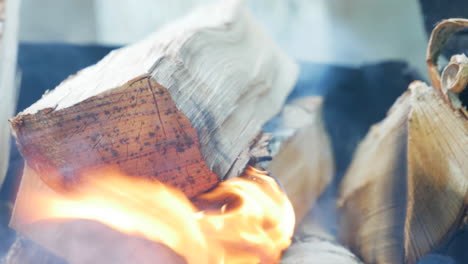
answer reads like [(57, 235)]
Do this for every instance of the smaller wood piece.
[(304, 164)]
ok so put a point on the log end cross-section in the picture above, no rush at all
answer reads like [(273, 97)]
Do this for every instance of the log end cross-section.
[(135, 127)]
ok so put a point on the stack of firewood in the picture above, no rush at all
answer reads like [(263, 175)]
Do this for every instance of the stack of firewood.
[(186, 106)]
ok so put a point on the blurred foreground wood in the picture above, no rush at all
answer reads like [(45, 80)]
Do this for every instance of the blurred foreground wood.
[(406, 191), (313, 243)]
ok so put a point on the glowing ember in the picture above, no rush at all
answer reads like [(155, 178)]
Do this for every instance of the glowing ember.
[(249, 220)]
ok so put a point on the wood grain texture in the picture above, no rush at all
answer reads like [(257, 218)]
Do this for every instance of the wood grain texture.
[(219, 68), (372, 193), (437, 172), (406, 190), (135, 127)]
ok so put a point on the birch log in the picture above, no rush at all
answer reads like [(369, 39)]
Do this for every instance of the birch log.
[(406, 190), (178, 106)]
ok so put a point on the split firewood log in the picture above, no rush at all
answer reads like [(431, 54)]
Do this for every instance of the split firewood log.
[(406, 191), (178, 106)]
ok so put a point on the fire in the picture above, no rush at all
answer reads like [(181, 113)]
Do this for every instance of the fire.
[(243, 220)]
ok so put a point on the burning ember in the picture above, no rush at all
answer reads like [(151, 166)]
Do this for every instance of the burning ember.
[(243, 220)]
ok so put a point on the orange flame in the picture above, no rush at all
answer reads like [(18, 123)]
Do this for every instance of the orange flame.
[(252, 220)]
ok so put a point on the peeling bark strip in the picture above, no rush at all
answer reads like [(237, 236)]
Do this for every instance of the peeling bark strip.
[(136, 127), (179, 106)]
